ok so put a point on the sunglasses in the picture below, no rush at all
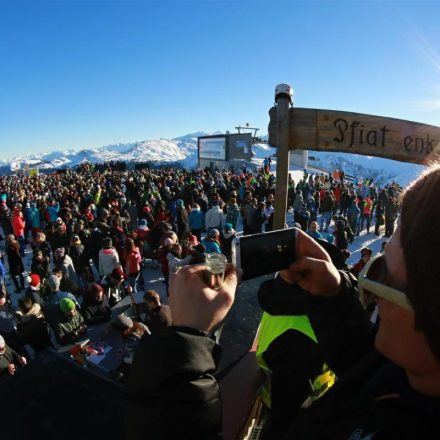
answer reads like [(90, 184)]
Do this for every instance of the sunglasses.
[(371, 284)]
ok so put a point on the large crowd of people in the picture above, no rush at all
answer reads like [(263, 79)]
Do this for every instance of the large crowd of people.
[(88, 233)]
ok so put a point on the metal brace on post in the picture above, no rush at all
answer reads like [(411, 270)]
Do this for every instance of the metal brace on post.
[(283, 99)]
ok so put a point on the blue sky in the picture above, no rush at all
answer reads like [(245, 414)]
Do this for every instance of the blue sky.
[(76, 74)]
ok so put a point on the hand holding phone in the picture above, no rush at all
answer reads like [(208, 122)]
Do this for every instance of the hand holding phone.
[(261, 254), (313, 269)]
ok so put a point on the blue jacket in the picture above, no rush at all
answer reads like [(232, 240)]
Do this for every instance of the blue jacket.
[(196, 219), (53, 210), (35, 221), (353, 212), (2, 271), (315, 234), (211, 246), (27, 215)]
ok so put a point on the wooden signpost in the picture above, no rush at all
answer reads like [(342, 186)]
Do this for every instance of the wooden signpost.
[(345, 132), (330, 130)]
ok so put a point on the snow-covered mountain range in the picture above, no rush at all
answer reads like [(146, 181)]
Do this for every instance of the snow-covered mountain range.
[(183, 150)]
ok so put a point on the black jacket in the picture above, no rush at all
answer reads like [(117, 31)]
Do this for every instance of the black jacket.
[(371, 399), (41, 268), (34, 295), (95, 312), (10, 356), (14, 260), (158, 319), (79, 258), (172, 378)]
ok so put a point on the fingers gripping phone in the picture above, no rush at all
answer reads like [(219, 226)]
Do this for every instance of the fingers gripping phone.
[(261, 254)]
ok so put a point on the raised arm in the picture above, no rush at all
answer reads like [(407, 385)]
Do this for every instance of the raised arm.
[(171, 391), (332, 306)]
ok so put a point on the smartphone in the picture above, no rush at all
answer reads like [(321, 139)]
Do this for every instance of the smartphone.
[(261, 254)]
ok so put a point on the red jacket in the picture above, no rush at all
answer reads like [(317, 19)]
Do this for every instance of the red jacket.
[(337, 194), (132, 262), (18, 224), (368, 206)]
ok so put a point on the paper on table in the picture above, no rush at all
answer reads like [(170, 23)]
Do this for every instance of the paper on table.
[(97, 358)]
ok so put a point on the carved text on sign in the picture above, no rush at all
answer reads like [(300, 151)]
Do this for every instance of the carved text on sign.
[(355, 133), (420, 145)]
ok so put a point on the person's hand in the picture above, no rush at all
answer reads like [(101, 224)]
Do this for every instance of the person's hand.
[(82, 330), (313, 269), (194, 304), (23, 361), (11, 369)]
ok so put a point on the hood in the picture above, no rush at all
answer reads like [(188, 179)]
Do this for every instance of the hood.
[(34, 311), (67, 260)]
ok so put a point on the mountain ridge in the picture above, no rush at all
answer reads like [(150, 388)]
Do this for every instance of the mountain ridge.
[(183, 150)]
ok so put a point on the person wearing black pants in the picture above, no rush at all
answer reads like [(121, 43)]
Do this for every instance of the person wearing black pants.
[(15, 262)]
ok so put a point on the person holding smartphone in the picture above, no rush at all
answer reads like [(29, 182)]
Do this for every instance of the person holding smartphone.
[(388, 379)]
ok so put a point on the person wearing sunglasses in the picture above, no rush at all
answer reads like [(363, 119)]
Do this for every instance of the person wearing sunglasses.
[(388, 376)]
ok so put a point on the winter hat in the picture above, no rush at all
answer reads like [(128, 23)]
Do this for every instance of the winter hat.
[(123, 321), (143, 222), (179, 202), (213, 233), (60, 252), (33, 279), (54, 283), (76, 240), (94, 289), (28, 205), (2, 342), (117, 273), (67, 305), (228, 227)]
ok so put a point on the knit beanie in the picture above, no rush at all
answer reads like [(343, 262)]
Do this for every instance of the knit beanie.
[(122, 321), (421, 249), (67, 305), (33, 279), (54, 282), (94, 289)]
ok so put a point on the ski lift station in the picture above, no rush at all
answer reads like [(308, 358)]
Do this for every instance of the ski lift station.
[(237, 149)]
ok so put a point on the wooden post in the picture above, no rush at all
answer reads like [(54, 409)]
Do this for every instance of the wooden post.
[(283, 99)]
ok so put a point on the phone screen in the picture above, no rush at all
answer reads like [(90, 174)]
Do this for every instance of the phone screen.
[(265, 253)]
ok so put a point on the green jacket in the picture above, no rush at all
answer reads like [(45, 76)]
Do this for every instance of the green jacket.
[(67, 326)]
